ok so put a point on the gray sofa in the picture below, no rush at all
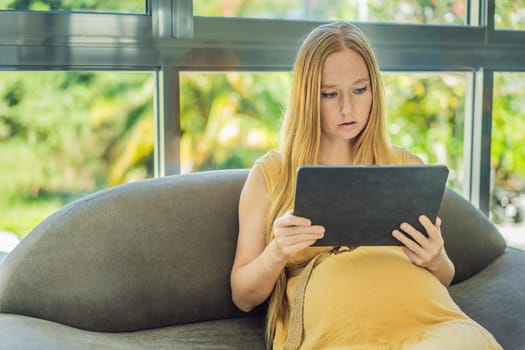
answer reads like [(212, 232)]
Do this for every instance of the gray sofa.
[(146, 266)]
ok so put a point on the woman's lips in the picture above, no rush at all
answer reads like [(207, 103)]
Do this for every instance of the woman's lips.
[(347, 124)]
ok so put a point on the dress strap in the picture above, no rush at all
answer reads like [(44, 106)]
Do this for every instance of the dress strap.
[(295, 324), (303, 273)]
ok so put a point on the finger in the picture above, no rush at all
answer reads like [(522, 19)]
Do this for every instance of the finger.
[(291, 220), (409, 243), (286, 250), (433, 231), (428, 225), (292, 250), (414, 233), (292, 240), (284, 231), (291, 244)]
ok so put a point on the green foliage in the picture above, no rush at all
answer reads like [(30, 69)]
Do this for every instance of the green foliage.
[(510, 14), (508, 131), (229, 119), (426, 113), (66, 134)]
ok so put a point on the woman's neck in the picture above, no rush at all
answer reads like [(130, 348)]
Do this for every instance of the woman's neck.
[(335, 153)]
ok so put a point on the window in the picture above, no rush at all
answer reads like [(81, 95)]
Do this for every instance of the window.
[(229, 119)]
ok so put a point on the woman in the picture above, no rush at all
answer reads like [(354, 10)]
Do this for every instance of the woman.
[(344, 297)]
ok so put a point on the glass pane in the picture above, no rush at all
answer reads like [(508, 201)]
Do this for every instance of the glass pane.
[(450, 12), (510, 14), (230, 119), (129, 6), (508, 157), (78, 132), (426, 116)]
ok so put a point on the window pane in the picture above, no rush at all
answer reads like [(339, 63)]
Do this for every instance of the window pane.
[(426, 116), (128, 6), (510, 14), (508, 156), (230, 119), (76, 133), (402, 11)]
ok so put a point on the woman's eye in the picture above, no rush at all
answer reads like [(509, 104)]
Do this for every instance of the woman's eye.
[(360, 91), (329, 94)]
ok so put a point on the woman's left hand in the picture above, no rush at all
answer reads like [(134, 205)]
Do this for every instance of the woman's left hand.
[(427, 251)]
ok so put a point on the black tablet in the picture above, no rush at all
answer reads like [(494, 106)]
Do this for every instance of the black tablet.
[(362, 205)]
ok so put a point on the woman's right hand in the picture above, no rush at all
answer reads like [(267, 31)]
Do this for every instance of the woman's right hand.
[(293, 233), (258, 265)]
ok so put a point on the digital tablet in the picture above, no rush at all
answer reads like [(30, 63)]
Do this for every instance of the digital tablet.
[(362, 205)]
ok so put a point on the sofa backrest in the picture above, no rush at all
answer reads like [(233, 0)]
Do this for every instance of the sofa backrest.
[(159, 252), (472, 241), (142, 255)]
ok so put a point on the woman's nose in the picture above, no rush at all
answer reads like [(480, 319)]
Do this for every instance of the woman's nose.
[(346, 104)]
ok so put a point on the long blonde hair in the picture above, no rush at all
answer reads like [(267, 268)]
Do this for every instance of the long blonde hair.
[(301, 128)]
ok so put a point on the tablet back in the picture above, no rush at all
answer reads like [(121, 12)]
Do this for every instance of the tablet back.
[(362, 205)]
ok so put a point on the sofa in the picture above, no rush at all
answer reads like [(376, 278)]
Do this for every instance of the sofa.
[(146, 265)]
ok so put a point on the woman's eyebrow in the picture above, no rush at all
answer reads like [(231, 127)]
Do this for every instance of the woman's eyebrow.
[(362, 80)]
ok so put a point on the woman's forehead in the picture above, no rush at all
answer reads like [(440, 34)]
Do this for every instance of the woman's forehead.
[(344, 66)]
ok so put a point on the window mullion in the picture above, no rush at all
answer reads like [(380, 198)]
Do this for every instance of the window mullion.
[(161, 14), (167, 122), (478, 131)]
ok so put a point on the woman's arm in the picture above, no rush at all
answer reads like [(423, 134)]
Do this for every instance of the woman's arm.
[(257, 266)]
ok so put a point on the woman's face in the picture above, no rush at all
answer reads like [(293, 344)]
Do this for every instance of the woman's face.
[(346, 96)]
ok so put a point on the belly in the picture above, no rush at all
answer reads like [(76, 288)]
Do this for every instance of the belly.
[(373, 293)]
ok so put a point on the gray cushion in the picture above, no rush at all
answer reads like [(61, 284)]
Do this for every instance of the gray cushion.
[(143, 255), (471, 240), (495, 298), (25, 333)]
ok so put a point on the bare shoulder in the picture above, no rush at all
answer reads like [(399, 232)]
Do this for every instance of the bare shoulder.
[(255, 182), (254, 200)]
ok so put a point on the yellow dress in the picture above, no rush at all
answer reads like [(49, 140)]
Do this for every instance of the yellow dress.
[(373, 298)]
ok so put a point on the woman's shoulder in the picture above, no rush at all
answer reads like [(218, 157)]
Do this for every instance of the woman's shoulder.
[(270, 156), (403, 156), (270, 165), (269, 160)]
